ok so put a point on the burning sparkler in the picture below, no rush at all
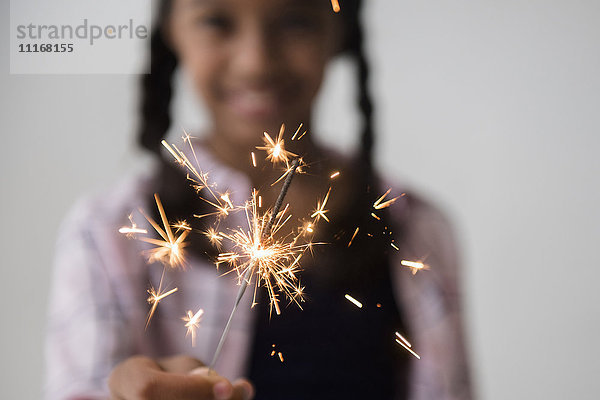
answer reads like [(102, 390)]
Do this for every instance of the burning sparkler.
[(260, 249)]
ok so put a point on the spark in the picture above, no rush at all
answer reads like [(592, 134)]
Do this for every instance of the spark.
[(394, 246), (380, 203), (308, 227), (408, 348), (353, 236), (320, 211), (275, 148), (199, 180), (406, 342), (353, 300), (335, 5), (192, 323), (334, 175), (375, 216), (169, 250), (414, 265), (253, 159), (182, 225), (127, 230), (155, 297), (301, 136), (298, 170), (273, 261), (297, 131), (213, 236), (130, 231), (280, 356)]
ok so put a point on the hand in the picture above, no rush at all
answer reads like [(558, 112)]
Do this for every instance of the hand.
[(176, 378)]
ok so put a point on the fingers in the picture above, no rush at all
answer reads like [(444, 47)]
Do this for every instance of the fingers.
[(143, 378), (132, 377), (243, 389), (180, 364)]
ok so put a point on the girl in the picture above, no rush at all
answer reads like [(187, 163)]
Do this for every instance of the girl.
[(256, 64)]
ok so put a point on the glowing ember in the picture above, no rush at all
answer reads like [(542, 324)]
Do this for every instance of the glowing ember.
[(130, 231), (353, 236), (169, 250), (192, 323), (407, 346), (154, 298), (380, 203), (335, 5), (414, 265), (275, 148), (320, 211), (353, 301)]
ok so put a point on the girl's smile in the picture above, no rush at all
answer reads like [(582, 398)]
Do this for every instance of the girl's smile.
[(255, 64)]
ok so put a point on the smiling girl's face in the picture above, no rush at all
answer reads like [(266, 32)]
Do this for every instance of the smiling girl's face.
[(255, 63)]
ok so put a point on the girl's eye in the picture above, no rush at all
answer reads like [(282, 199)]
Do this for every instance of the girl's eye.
[(214, 21), (299, 22)]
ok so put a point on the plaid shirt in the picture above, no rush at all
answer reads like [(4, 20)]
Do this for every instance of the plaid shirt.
[(98, 302)]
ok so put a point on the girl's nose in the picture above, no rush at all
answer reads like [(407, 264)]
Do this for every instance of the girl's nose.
[(254, 58)]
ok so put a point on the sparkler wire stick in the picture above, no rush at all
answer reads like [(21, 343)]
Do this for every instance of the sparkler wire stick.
[(247, 276)]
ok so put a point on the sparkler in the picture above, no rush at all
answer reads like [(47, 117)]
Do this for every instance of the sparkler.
[(259, 255)]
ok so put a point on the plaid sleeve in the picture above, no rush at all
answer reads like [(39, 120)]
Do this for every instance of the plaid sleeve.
[(84, 318), (432, 302)]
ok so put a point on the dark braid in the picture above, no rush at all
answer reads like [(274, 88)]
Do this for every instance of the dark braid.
[(364, 96), (354, 46), (157, 88), (178, 198)]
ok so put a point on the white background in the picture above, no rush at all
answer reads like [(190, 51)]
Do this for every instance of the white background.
[(491, 108)]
